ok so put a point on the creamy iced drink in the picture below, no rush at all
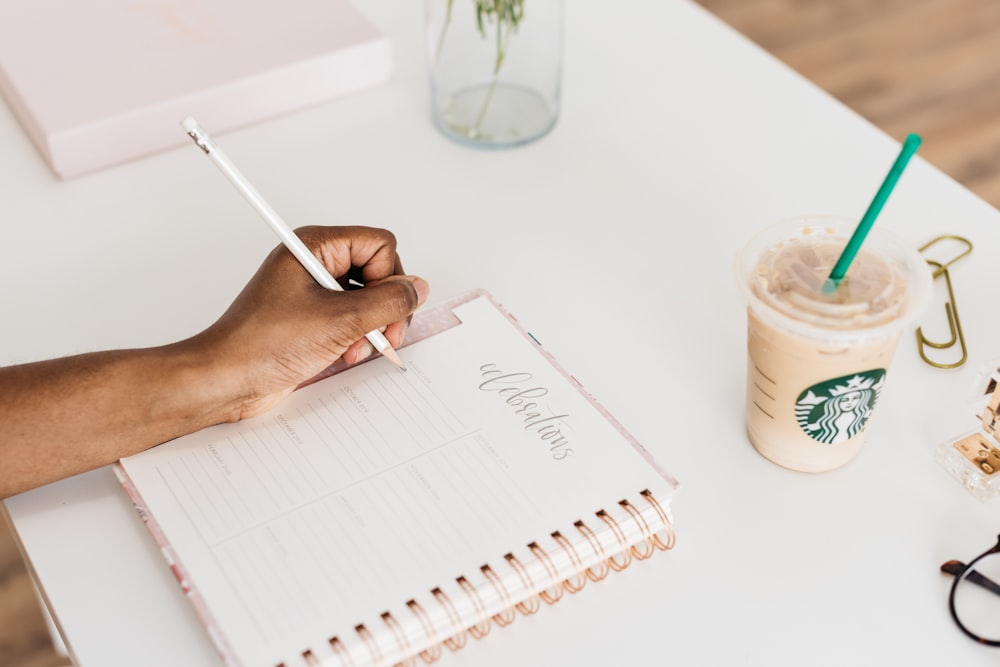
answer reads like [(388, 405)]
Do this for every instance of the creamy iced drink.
[(818, 356)]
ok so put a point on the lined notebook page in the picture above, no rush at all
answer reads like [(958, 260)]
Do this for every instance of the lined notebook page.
[(374, 486)]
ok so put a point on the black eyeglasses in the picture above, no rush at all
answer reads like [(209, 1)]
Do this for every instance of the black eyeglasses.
[(975, 596)]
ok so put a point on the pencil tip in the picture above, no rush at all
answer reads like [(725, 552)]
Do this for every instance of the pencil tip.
[(391, 355)]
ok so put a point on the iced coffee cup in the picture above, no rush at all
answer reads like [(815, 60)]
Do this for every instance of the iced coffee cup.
[(818, 357)]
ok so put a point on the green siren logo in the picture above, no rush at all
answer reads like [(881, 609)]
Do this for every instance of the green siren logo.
[(836, 410)]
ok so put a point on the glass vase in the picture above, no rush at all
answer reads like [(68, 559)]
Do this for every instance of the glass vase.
[(495, 69)]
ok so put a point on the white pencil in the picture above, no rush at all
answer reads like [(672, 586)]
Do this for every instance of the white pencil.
[(284, 232)]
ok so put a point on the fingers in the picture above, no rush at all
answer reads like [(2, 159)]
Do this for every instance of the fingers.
[(363, 253), (389, 301), (368, 256), (385, 306)]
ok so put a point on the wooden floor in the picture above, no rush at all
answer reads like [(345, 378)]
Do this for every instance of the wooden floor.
[(24, 638), (925, 66)]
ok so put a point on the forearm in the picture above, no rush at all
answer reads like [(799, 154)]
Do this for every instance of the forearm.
[(65, 416)]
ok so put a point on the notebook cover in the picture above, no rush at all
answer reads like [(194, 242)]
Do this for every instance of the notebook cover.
[(105, 81)]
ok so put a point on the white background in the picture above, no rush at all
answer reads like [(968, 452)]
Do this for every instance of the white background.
[(612, 239)]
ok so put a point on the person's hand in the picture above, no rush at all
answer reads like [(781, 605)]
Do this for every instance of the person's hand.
[(62, 416), (284, 328)]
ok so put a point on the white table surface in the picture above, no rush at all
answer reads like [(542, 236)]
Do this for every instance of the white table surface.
[(678, 137)]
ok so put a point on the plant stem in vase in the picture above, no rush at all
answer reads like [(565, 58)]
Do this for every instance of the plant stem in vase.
[(496, 85)]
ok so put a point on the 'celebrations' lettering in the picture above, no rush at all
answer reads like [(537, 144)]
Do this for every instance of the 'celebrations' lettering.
[(517, 392)]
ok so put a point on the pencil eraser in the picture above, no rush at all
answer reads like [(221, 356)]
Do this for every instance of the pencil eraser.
[(189, 124)]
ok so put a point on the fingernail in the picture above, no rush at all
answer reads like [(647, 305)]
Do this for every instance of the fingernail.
[(423, 289)]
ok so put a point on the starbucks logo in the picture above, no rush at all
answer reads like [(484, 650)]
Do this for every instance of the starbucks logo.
[(837, 410)]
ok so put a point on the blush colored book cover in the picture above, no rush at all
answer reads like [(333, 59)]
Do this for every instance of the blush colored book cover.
[(102, 82)]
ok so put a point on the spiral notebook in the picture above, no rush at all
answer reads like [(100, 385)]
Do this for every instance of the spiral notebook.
[(379, 516)]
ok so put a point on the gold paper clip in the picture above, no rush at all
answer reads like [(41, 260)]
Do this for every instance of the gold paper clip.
[(940, 268)]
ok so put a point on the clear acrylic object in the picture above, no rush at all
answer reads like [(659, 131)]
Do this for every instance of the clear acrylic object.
[(495, 69), (973, 458)]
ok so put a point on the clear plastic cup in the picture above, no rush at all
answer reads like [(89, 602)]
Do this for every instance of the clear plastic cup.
[(818, 357)]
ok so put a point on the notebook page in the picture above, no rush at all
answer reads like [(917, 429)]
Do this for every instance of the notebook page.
[(374, 486)]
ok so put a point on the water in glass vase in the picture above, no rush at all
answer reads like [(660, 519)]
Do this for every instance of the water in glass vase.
[(501, 114), (495, 69)]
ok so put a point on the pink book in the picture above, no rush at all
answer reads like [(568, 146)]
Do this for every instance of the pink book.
[(105, 81)]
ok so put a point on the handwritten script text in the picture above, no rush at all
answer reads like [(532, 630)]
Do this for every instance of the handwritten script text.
[(518, 392)]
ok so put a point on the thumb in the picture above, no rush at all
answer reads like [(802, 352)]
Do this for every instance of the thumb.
[(386, 304)]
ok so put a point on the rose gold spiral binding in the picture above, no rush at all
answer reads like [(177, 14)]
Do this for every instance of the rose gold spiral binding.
[(341, 651), (595, 544), (310, 659), (507, 616), (668, 527), (457, 640), (369, 640), (479, 630), (647, 534), (531, 604), (431, 654), (574, 557), (401, 639), (557, 589), (620, 536)]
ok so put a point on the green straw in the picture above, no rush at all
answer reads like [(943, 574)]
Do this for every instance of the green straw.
[(910, 147)]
